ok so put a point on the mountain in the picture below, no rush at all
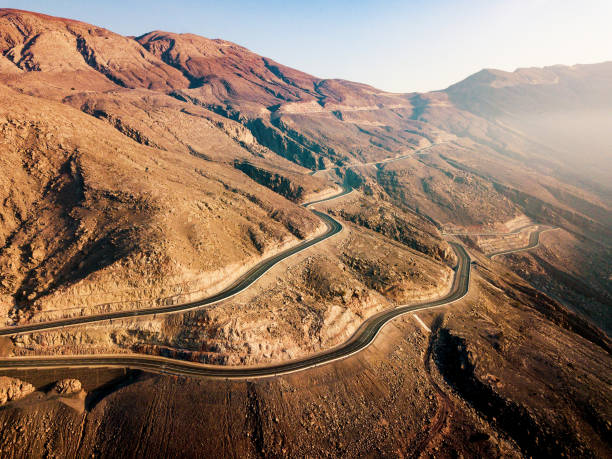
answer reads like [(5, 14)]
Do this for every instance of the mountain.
[(566, 109), (69, 55), (156, 170), (492, 93)]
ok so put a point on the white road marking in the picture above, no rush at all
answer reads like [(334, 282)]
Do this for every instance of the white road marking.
[(418, 319)]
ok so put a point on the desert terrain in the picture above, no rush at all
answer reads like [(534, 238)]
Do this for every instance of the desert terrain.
[(205, 252)]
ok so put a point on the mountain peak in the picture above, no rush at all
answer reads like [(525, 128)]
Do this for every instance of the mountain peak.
[(73, 54)]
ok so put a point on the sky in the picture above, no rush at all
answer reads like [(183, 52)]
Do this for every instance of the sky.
[(398, 46)]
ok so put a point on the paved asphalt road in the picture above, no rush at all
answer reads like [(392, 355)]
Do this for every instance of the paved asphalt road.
[(516, 231), (384, 161), (243, 282), (362, 338), (246, 280), (534, 241)]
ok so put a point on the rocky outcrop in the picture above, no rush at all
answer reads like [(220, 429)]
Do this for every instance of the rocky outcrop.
[(458, 363), (274, 139), (409, 229), (210, 358), (121, 126), (13, 389), (274, 181), (68, 386)]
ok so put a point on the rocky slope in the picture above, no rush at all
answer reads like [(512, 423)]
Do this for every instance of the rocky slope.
[(560, 108), (113, 226), (141, 171), (310, 121), (88, 222), (475, 387), (570, 270), (311, 303)]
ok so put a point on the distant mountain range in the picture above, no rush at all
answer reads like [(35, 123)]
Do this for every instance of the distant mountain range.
[(313, 121), (141, 172), (532, 143)]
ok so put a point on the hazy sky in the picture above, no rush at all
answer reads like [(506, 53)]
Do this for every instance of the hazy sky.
[(410, 45)]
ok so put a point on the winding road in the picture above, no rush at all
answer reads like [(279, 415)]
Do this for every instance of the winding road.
[(361, 339), (384, 161), (516, 231), (534, 241), (240, 284)]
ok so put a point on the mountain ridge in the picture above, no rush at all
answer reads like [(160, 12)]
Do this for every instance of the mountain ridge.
[(153, 171)]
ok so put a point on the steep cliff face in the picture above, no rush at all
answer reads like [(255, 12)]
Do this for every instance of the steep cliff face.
[(276, 182)]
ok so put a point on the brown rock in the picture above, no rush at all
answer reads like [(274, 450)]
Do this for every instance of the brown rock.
[(13, 389), (68, 386)]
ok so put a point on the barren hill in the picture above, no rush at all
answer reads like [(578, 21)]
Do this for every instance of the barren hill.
[(560, 109), (156, 170)]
